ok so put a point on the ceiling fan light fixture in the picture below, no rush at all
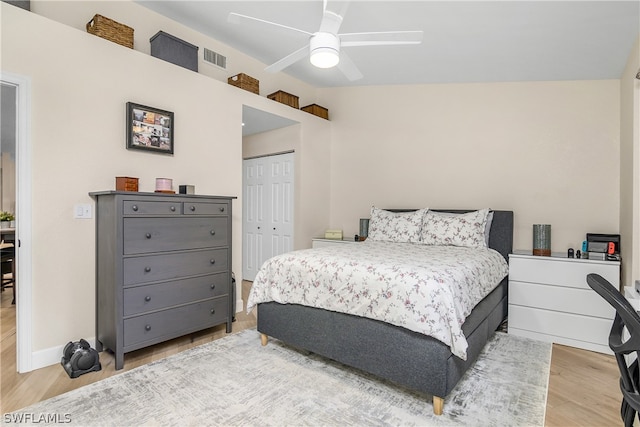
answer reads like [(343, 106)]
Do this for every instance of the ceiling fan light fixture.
[(324, 50), (324, 57)]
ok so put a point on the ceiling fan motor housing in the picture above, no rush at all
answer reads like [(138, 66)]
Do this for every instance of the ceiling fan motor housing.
[(324, 50)]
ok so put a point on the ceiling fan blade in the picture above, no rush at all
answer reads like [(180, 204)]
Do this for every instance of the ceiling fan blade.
[(288, 60), (236, 18), (331, 21), (381, 38), (348, 67)]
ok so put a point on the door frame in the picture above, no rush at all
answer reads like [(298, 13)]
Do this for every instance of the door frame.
[(24, 299)]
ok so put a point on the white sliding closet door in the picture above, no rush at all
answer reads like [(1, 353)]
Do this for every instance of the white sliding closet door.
[(267, 220)]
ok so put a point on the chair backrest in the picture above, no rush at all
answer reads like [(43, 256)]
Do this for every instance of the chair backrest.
[(626, 316)]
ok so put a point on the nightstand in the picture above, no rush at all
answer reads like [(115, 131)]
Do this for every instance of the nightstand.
[(320, 242), (549, 300)]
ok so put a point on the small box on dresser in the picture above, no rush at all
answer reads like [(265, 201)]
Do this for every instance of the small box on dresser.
[(549, 300), (163, 268)]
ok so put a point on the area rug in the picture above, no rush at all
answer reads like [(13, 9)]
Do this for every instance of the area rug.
[(235, 381)]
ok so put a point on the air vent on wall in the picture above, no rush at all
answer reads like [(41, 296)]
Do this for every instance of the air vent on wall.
[(215, 58)]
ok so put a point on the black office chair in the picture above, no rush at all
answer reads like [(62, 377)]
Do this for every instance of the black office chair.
[(627, 316), (7, 264)]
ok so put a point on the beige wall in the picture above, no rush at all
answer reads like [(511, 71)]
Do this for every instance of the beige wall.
[(146, 23), (549, 151), (630, 168), (79, 87)]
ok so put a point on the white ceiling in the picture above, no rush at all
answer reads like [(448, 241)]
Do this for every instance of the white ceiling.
[(464, 41)]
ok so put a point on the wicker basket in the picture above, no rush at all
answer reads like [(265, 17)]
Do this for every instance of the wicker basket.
[(317, 110), (111, 30), (285, 98), (245, 82)]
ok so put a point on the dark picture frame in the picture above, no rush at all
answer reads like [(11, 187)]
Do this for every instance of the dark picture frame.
[(150, 129)]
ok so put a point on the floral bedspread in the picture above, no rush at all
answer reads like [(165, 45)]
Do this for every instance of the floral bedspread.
[(427, 289)]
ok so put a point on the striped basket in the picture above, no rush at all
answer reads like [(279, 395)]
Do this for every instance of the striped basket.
[(111, 30)]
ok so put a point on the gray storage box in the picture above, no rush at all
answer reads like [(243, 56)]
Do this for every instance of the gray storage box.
[(172, 49)]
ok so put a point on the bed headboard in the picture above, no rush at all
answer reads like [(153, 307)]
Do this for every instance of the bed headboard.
[(501, 234)]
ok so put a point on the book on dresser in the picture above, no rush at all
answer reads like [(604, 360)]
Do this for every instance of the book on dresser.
[(163, 267), (549, 300)]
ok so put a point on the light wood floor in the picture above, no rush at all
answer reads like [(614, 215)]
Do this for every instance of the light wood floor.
[(583, 385)]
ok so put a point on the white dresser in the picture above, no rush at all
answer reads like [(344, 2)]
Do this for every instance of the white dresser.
[(549, 300)]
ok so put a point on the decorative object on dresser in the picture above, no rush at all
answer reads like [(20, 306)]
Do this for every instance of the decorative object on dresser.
[(164, 185), (364, 229), (149, 129), (163, 268), (542, 239), (126, 183), (187, 189), (111, 30), (549, 300)]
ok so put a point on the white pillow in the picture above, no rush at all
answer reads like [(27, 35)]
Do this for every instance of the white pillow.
[(468, 229), (398, 227)]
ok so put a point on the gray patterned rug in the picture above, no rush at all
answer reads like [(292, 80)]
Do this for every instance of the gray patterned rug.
[(235, 381)]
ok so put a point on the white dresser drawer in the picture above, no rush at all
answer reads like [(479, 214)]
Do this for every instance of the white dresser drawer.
[(557, 324), (561, 271), (559, 298)]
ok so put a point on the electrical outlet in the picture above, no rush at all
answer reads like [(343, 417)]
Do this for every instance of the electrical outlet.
[(82, 211)]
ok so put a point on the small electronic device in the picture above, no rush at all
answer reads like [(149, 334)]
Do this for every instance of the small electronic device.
[(601, 247), (570, 253), (611, 248), (585, 247), (578, 254)]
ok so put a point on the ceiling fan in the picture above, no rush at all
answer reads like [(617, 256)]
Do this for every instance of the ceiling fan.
[(324, 47)]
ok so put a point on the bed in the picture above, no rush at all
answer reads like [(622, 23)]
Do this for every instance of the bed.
[(395, 352)]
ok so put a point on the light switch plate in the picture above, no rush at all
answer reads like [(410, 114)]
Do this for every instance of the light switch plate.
[(82, 211)]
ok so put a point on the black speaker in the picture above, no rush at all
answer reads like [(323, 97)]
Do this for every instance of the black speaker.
[(79, 358)]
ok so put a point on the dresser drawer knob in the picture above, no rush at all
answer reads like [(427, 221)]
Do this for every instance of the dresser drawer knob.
[(213, 232), (212, 261), (173, 208), (134, 208), (222, 209), (147, 328), (148, 235), (147, 298), (213, 311), (193, 208), (213, 286), (147, 269)]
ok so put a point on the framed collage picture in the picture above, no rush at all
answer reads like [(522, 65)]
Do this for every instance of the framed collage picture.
[(149, 129)]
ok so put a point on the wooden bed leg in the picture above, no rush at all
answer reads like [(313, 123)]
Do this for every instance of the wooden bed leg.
[(438, 405), (263, 339)]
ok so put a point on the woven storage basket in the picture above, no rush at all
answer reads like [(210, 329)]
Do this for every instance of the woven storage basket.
[(285, 98), (317, 110), (111, 30), (245, 82)]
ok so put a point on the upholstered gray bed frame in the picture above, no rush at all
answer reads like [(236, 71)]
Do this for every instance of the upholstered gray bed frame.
[(407, 358)]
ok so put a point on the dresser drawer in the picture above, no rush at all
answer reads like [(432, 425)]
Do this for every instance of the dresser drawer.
[(560, 298), (151, 208), (557, 324), (204, 208), (175, 321), (560, 271), (147, 235), (141, 299), (152, 268)]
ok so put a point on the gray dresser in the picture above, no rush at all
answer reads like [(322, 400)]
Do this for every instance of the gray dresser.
[(163, 267)]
